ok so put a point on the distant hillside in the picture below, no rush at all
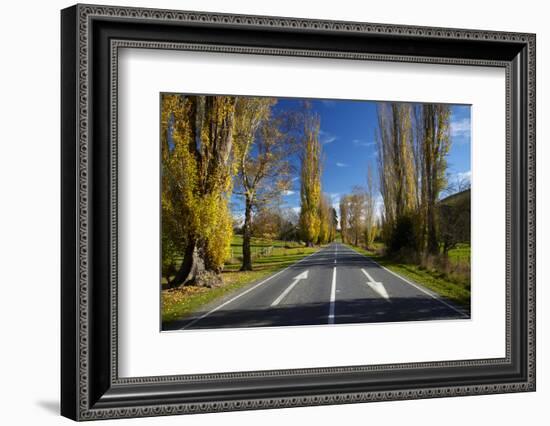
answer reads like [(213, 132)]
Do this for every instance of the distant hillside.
[(454, 219), (457, 197)]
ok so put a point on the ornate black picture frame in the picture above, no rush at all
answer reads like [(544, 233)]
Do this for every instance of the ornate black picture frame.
[(91, 37)]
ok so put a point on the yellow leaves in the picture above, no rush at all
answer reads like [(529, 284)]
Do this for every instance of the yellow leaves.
[(196, 173), (310, 191), (283, 185), (396, 159), (413, 142), (327, 226), (220, 234)]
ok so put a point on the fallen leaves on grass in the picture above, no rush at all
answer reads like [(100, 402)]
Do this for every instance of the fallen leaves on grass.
[(180, 294), (179, 302)]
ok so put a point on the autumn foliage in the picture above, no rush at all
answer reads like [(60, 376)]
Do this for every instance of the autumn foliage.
[(197, 172), (413, 144), (214, 147), (217, 147), (310, 190)]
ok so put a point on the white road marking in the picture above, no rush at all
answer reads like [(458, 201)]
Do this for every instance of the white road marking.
[(433, 296), (332, 297), (246, 291), (367, 274), (377, 286), (302, 276)]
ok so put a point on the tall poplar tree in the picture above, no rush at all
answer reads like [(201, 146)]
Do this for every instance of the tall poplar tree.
[(396, 168), (310, 190), (197, 171), (434, 144)]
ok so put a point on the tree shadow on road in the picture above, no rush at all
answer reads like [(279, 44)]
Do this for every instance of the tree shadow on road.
[(363, 310)]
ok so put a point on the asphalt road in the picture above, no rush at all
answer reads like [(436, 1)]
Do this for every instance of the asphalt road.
[(335, 285)]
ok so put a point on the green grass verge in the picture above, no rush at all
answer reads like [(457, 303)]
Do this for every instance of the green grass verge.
[(454, 289), (258, 247), (461, 253), (180, 302)]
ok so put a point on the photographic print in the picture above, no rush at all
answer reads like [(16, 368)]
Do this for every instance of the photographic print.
[(288, 211), (308, 183)]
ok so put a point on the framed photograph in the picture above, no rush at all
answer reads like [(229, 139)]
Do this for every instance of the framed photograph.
[(263, 212)]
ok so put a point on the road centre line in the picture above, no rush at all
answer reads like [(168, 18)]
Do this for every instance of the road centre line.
[(433, 296), (247, 291), (332, 297)]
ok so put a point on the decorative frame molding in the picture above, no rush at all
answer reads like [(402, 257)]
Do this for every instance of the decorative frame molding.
[(91, 37)]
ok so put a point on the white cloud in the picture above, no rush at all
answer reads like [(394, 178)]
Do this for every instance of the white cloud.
[(296, 209), (460, 128), (336, 207), (464, 176), (288, 192), (339, 164), (360, 142), (325, 137), (334, 197)]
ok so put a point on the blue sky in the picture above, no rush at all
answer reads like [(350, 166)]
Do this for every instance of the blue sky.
[(348, 132)]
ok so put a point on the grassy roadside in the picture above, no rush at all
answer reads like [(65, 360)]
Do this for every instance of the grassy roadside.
[(455, 290), (177, 303)]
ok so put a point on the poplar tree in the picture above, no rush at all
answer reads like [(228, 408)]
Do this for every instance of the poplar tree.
[(396, 168), (197, 171), (434, 143), (413, 144), (310, 189)]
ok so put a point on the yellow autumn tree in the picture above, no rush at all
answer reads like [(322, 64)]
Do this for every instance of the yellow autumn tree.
[(433, 145), (310, 189), (197, 172), (398, 178), (413, 145), (264, 146)]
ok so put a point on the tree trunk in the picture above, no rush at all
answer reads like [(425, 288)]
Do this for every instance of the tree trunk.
[(247, 235), (191, 266)]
